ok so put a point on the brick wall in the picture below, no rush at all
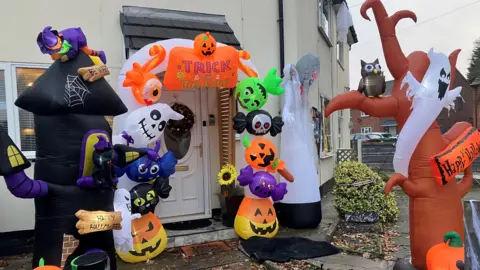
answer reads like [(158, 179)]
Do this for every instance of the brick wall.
[(359, 121), (70, 243)]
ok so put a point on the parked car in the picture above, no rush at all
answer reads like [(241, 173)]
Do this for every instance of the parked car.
[(367, 137), (386, 136)]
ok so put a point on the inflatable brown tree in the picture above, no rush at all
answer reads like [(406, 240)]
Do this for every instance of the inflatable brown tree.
[(434, 209)]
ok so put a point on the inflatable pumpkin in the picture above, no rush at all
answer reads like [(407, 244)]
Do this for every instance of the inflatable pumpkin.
[(204, 44), (256, 217), (149, 239), (261, 154), (447, 254), (42, 266)]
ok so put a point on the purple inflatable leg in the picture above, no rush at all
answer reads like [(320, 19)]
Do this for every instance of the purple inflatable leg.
[(22, 186)]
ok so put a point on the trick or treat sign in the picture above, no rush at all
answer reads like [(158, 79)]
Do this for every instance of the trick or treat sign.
[(460, 154), (204, 65)]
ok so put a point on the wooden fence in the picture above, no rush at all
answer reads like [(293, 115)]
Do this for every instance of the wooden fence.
[(379, 156)]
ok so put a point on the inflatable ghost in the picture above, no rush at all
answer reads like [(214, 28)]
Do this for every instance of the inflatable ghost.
[(145, 125), (429, 98), (297, 147), (123, 238)]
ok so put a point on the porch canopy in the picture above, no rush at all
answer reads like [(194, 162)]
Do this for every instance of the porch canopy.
[(142, 26)]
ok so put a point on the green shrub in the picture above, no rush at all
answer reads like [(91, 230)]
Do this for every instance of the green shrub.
[(364, 197), (384, 175)]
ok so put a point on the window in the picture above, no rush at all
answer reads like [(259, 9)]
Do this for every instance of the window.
[(326, 139), (340, 53), (362, 114), (14, 79), (340, 129), (324, 17), (365, 130)]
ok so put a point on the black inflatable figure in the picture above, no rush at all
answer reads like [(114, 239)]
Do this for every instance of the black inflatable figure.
[(103, 161), (69, 118), (258, 123), (145, 197)]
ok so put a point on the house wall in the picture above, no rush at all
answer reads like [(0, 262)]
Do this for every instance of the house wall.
[(359, 121), (100, 21)]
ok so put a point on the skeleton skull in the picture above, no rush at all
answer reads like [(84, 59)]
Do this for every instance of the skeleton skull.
[(146, 124), (261, 123)]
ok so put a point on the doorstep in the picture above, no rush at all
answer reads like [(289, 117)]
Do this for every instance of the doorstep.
[(215, 232)]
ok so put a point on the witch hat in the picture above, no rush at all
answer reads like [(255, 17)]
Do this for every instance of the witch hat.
[(49, 41)]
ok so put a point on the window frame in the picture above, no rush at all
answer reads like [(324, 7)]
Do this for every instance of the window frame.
[(340, 54), (326, 32), (362, 128), (324, 154), (11, 94)]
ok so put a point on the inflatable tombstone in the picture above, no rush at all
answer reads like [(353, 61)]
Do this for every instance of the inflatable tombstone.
[(69, 122), (297, 147)]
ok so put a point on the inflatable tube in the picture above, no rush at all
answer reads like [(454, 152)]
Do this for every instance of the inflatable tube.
[(143, 56), (456, 157)]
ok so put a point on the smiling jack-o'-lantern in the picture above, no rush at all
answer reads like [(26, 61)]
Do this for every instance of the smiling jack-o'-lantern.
[(149, 239), (256, 217), (204, 44)]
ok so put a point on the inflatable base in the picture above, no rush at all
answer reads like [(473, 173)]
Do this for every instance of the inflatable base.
[(294, 215), (256, 217)]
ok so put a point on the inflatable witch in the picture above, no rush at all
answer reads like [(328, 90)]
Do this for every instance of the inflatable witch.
[(74, 161), (297, 147)]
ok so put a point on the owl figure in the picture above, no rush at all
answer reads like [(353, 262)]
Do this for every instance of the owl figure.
[(372, 83)]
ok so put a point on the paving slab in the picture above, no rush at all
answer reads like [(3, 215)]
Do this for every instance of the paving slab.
[(350, 262)]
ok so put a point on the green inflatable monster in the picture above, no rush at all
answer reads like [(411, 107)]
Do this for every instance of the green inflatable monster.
[(252, 93)]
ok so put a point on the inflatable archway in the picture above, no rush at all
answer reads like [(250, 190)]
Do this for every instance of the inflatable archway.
[(198, 63)]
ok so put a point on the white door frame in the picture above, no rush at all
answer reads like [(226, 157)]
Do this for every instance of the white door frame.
[(203, 103)]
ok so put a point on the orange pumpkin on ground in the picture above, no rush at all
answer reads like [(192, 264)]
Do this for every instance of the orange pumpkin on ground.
[(42, 266), (445, 256), (256, 217), (149, 239)]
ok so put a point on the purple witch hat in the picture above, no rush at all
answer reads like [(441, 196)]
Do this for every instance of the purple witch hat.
[(49, 41)]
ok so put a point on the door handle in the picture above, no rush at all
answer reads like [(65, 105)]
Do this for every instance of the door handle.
[(200, 146)]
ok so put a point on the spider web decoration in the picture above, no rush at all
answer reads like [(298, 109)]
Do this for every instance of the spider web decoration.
[(75, 91)]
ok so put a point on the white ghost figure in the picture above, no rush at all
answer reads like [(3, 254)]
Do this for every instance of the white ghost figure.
[(123, 238), (429, 98), (145, 125)]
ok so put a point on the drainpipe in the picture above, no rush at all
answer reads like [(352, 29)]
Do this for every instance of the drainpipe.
[(281, 35)]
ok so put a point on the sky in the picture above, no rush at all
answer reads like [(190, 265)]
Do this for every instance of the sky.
[(445, 25)]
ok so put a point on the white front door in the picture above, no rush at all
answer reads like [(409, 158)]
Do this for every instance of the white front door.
[(187, 197)]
